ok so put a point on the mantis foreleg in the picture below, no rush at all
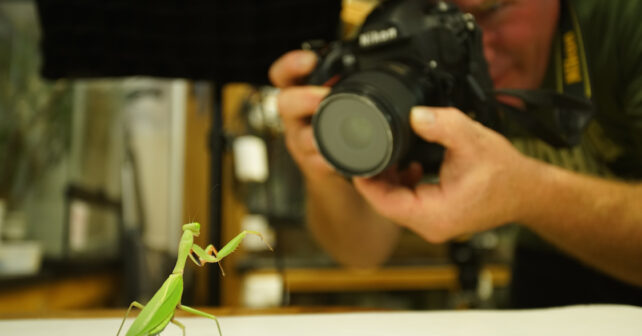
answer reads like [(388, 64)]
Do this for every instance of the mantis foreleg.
[(203, 314), (133, 304), (205, 255), (207, 252), (194, 259)]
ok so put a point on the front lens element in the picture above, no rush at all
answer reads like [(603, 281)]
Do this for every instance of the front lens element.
[(353, 134), (357, 131)]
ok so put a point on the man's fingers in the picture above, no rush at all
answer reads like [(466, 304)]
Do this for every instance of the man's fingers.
[(447, 126), (300, 102), (291, 67), (419, 209), (306, 140), (412, 175)]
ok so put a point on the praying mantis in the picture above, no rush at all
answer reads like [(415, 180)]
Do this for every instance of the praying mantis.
[(159, 311)]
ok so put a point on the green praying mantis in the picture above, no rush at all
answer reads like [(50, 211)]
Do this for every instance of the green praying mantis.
[(159, 311)]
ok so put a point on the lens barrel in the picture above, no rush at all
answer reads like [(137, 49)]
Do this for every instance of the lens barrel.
[(362, 127)]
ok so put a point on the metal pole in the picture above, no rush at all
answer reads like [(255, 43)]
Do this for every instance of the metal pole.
[(217, 145)]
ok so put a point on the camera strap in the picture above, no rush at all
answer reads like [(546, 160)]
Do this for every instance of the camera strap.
[(570, 59), (559, 116)]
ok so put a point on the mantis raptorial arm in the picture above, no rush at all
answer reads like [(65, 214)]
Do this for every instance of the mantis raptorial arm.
[(207, 252), (198, 263), (206, 255)]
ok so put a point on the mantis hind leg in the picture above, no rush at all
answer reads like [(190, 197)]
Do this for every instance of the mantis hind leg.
[(178, 324), (203, 314), (133, 304)]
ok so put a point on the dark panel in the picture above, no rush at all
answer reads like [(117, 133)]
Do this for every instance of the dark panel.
[(224, 41)]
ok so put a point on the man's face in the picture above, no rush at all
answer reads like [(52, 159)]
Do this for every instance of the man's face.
[(517, 38)]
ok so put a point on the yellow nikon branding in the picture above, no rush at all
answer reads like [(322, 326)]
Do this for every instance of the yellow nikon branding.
[(572, 73)]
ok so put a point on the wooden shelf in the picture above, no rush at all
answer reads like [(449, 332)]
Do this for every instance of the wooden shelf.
[(390, 278), (79, 292)]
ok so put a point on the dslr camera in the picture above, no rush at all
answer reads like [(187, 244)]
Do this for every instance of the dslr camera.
[(406, 53)]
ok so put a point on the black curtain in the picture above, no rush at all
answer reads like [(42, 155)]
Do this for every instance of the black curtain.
[(219, 40)]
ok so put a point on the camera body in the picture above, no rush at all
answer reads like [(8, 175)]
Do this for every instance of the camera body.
[(407, 53)]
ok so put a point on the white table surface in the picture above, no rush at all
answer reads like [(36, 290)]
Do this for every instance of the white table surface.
[(588, 320)]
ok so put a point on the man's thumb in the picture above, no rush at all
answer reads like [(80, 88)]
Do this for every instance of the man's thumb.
[(444, 125)]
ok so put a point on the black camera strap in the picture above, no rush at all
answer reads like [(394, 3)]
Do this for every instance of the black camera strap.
[(559, 116)]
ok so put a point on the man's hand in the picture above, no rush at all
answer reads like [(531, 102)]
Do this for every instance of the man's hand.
[(480, 182), (337, 215), (296, 105)]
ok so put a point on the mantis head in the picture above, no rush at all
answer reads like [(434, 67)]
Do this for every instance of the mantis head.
[(194, 227)]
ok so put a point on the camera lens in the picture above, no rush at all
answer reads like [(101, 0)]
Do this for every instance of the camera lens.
[(353, 133), (362, 127)]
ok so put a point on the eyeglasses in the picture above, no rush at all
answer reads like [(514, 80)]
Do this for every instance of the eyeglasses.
[(489, 11)]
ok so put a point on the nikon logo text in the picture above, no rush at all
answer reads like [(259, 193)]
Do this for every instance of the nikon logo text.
[(375, 37)]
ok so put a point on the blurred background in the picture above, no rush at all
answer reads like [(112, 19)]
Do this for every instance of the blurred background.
[(102, 159)]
